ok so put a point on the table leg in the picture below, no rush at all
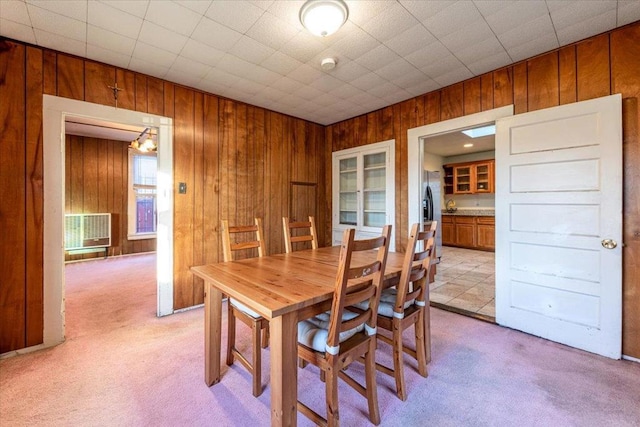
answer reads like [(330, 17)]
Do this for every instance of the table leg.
[(212, 333), (284, 369)]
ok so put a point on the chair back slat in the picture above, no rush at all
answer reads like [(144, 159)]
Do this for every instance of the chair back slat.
[(349, 291), (229, 246), (292, 232), (414, 277)]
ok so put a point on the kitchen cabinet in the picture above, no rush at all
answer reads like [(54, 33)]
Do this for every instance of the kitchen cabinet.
[(469, 178), (363, 190), (472, 232)]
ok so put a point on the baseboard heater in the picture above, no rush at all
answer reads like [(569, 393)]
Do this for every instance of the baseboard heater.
[(87, 233)]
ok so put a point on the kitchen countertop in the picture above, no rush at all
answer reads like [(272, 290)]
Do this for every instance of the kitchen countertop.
[(471, 212)]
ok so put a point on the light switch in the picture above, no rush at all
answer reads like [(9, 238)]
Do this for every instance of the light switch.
[(182, 188)]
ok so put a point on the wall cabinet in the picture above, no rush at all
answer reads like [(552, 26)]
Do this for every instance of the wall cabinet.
[(363, 190), (469, 178), (473, 232)]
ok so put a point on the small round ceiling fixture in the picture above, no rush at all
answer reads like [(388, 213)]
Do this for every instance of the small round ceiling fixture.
[(328, 64), (323, 17)]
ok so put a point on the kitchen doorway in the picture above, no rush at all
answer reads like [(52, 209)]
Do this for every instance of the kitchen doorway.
[(465, 278)]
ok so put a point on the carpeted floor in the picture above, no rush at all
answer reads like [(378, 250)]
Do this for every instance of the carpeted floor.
[(122, 366)]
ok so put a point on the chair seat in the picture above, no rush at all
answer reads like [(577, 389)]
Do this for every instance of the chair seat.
[(243, 308), (387, 303), (313, 332)]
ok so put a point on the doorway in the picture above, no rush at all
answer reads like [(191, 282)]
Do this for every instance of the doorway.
[(55, 111), (462, 270)]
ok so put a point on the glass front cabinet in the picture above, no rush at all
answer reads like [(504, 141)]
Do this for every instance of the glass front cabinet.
[(363, 190)]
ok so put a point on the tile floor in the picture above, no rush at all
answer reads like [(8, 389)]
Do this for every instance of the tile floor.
[(465, 281)]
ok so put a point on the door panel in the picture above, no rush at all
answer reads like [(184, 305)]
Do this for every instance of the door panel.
[(558, 196)]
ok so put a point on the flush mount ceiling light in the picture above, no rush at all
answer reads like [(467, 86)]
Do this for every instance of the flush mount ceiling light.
[(481, 131), (323, 17), (468, 145)]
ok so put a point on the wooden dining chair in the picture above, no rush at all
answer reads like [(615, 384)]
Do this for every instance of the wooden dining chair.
[(408, 304), (292, 233), (237, 310), (334, 339)]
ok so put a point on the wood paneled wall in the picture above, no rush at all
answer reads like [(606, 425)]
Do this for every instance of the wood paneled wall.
[(237, 161), (96, 181), (599, 66)]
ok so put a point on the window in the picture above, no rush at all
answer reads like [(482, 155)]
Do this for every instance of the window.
[(142, 195)]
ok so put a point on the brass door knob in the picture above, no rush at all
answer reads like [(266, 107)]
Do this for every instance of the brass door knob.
[(609, 243)]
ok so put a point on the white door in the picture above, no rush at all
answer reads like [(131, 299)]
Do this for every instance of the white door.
[(559, 224)]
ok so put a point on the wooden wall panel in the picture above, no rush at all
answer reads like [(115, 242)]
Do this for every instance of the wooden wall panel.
[(155, 97), (625, 63), (49, 65), (472, 91), (593, 79), (211, 183), (543, 82), (520, 88), (141, 93), (199, 193), (452, 101), (12, 193), (503, 88), (98, 78), (567, 71), (432, 107), (126, 81), (34, 196), (70, 77), (486, 89)]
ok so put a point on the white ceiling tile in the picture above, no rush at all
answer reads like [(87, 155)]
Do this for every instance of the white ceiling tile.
[(427, 55), (528, 33), (280, 63), (272, 94), (215, 35), (533, 47), (453, 76), (147, 67), (444, 64), (251, 50), (458, 15), (211, 86), (583, 29), (424, 10), (475, 51), (201, 52), (398, 96), (17, 31), (231, 64), (305, 74), (199, 6), (326, 83), (355, 44), (239, 16), (136, 8), (377, 57), (628, 12), (247, 86), (261, 75), (221, 77), (15, 11), (162, 38), (347, 70), (511, 15), (489, 63), (154, 55), (383, 90), (345, 91), (101, 54), (385, 25), (288, 11), (409, 79), (172, 16), (104, 16), (56, 41), (325, 99), (287, 84), (76, 9), (470, 34), (368, 81), (182, 78), (425, 86), (110, 40), (303, 46), (262, 4), (395, 69), (188, 66), (362, 11), (54, 23), (364, 98), (565, 13), (271, 31), (410, 40)]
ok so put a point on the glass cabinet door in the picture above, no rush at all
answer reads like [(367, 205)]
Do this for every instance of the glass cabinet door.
[(374, 189), (348, 184), (462, 179), (483, 178)]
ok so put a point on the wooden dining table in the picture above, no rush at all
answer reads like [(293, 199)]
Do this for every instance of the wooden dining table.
[(285, 289)]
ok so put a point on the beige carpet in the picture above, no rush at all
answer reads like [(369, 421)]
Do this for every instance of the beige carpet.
[(122, 366)]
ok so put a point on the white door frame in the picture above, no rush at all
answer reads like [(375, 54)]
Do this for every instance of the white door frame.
[(55, 110), (415, 151)]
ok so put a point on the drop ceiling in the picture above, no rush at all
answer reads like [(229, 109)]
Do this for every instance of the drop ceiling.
[(259, 53)]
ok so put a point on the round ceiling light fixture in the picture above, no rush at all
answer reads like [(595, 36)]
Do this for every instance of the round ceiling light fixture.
[(323, 17), (328, 64)]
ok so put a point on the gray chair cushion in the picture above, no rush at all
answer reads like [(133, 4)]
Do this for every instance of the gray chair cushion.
[(243, 308), (313, 332), (387, 303)]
